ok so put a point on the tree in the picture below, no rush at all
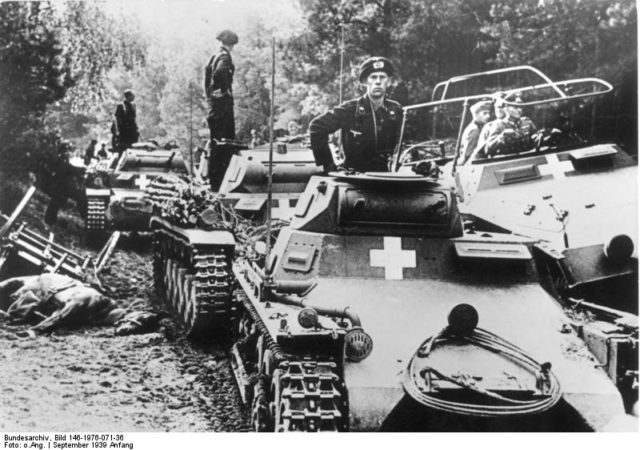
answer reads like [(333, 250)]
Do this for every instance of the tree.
[(34, 74)]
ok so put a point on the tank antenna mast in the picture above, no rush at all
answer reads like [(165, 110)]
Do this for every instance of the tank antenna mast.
[(270, 176)]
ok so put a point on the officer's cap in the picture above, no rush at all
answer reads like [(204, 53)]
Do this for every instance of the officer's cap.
[(481, 106), (375, 64), (227, 37)]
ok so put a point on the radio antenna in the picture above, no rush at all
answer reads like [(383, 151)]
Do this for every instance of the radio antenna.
[(270, 173)]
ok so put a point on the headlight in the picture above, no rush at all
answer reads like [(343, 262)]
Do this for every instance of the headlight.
[(619, 248), (357, 345), (98, 182)]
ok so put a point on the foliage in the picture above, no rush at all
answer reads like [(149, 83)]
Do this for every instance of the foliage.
[(432, 41), (34, 74)]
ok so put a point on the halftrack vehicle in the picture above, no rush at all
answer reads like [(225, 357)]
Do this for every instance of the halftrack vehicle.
[(574, 194), (115, 187)]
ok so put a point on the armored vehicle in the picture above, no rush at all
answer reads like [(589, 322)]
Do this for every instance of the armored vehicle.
[(345, 325), (192, 266), (115, 187), (575, 194)]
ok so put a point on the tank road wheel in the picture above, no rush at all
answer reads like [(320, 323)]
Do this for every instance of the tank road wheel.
[(260, 418), (275, 398), (158, 270), (96, 221)]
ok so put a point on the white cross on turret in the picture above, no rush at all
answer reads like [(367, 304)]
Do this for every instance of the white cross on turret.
[(556, 167), (142, 182), (392, 258)]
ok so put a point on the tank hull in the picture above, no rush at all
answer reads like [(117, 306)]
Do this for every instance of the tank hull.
[(400, 314)]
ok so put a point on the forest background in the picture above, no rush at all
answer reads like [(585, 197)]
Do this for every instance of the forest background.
[(65, 64)]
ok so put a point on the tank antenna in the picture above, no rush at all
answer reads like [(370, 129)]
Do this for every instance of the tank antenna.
[(270, 176)]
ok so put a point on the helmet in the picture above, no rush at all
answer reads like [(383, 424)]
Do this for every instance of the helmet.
[(227, 37)]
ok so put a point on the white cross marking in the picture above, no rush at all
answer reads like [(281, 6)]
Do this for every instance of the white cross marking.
[(392, 258), (142, 181), (284, 210), (556, 167)]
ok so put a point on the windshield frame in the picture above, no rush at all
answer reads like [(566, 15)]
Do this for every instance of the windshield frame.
[(507, 96)]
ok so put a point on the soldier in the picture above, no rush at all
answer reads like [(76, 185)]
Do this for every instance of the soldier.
[(102, 153), (90, 152), (218, 80), (370, 124), (125, 128), (481, 112), (63, 184), (511, 132)]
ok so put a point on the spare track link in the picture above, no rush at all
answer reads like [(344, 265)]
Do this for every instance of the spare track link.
[(311, 391), (196, 283), (96, 213)]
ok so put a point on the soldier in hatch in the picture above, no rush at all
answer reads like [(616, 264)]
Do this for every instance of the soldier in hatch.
[(370, 124)]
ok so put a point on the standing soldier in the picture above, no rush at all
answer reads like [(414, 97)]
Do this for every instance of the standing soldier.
[(370, 124), (218, 80), (125, 128), (64, 180)]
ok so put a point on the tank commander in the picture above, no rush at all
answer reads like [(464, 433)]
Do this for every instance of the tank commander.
[(124, 127), (481, 113), (370, 124), (509, 133)]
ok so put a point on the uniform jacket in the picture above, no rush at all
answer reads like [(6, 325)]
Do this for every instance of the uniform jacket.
[(218, 74), (125, 125), (523, 128), (368, 138), (469, 141)]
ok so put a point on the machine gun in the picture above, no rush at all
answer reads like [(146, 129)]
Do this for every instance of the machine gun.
[(21, 246)]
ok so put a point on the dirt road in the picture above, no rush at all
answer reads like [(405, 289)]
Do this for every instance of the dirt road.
[(88, 379)]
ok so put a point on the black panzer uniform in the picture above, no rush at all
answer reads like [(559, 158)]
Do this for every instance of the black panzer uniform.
[(124, 128), (218, 78), (218, 82), (369, 138)]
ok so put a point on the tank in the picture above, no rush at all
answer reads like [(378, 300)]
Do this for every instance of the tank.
[(572, 192), (193, 266), (377, 311), (115, 187)]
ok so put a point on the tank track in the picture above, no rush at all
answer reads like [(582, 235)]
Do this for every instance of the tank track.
[(310, 397), (300, 394), (195, 282), (96, 213)]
